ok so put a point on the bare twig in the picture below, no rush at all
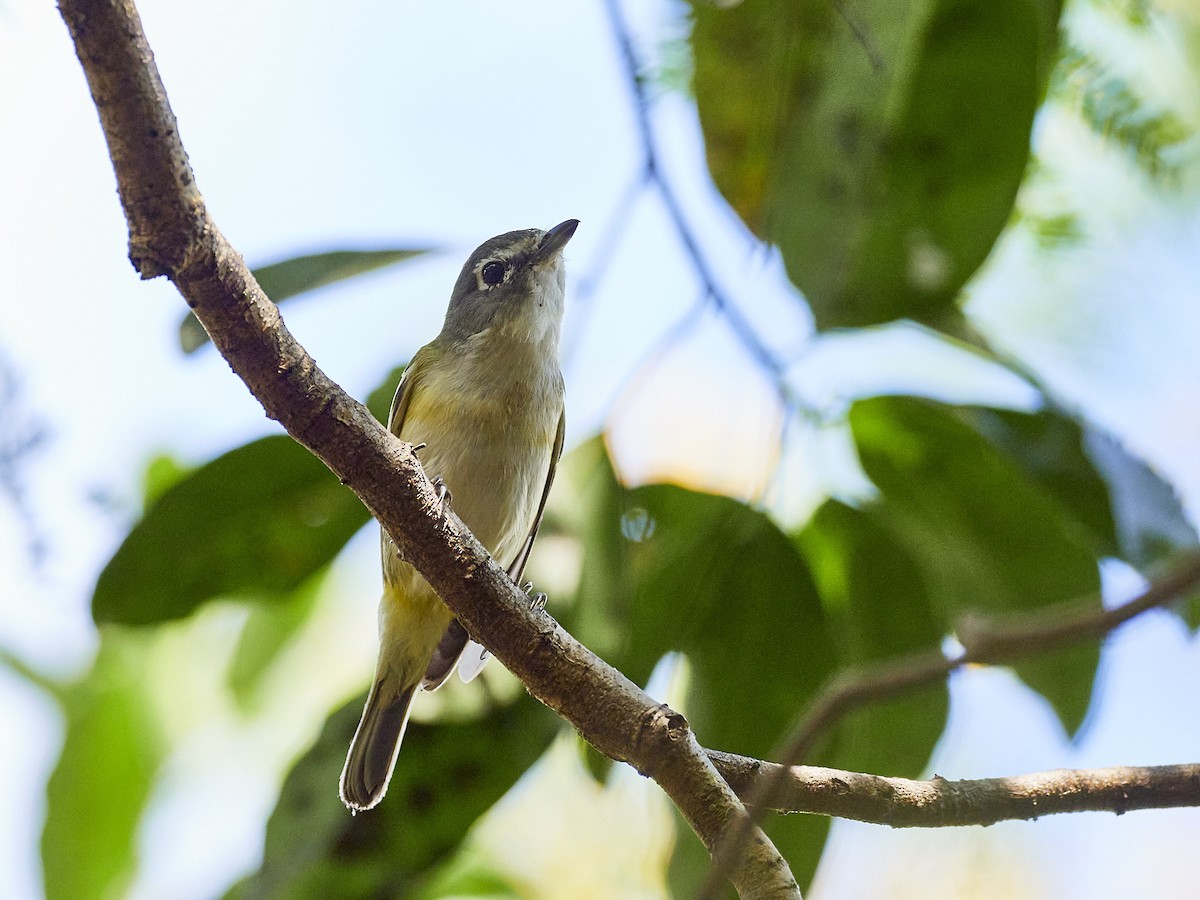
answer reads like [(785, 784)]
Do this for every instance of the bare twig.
[(984, 641), (172, 234), (738, 323), (905, 803)]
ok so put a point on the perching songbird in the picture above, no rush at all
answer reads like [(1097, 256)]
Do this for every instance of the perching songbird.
[(485, 398)]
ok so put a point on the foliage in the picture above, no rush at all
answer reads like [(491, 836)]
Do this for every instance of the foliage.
[(883, 156)]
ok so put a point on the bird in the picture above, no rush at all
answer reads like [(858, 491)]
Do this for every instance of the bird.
[(483, 404)]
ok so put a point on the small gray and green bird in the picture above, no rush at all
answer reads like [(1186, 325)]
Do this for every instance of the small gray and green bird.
[(485, 398)]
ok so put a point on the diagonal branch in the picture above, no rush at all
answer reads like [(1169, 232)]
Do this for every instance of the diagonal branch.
[(172, 234)]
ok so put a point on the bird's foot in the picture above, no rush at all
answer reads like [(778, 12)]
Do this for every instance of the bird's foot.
[(537, 602), (443, 496)]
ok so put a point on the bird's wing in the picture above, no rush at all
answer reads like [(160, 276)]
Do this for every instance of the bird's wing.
[(473, 655), (518, 565), (404, 392)]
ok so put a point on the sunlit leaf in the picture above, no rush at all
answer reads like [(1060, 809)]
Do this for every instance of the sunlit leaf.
[(269, 629), (883, 612), (255, 522), (448, 775), (988, 538), (283, 280), (103, 776), (882, 154)]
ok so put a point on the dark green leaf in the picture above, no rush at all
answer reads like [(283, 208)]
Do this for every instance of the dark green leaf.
[(256, 521), (447, 776), (884, 159), (1049, 446), (883, 612), (103, 776), (987, 538), (290, 277), (668, 569)]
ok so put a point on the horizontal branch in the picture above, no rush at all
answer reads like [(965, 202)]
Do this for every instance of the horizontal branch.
[(989, 641), (985, 640), (905, 803), (172, 234)]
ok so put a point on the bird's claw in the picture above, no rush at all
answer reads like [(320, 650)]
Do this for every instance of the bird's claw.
[(443, 495), (537, 602)]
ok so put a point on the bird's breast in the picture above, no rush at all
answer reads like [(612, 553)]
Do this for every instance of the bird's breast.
[(489, 433)]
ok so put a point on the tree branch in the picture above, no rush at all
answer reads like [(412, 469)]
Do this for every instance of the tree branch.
[(172, 234), (984, 640), (904, 803)]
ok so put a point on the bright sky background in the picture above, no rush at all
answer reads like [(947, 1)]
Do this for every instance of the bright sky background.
[(312, 126)]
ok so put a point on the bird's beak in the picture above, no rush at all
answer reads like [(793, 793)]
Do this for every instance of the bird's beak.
[(555, 239)]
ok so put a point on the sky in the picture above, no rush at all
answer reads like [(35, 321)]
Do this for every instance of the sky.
[(312, 127)]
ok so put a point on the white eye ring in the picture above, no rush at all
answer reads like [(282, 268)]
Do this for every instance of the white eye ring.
[(491, 273)]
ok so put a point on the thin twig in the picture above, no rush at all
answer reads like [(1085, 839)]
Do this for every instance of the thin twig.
[(938, 803), (984, 641), (586, 284), (740, 325)]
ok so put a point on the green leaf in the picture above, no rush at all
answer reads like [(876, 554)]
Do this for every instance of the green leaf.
[(987, 538), (884, 611), (667, 569), (255, 522), (1050, 447), (1122, 506), (447, 776), (103, 777), (267, 631), (291, 277), (883, 158), (380, 400)]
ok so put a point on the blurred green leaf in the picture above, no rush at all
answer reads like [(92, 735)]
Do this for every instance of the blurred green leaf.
[(267, 631), (1049, 446), (1139, 123), (667, 569), (987, 538), (448, 775), (254, 522), (1122, 506), (883, 611), (103, 777), (291, 277), (380, 400), (884, 158), (162, 472)]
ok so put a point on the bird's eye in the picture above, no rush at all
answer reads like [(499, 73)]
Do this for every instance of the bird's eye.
[(493, 272)]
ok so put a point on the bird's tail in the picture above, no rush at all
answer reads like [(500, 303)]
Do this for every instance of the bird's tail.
[(373, 751)]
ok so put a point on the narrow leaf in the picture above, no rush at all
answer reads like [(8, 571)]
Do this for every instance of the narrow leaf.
[(103, 776), (290, 277)]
